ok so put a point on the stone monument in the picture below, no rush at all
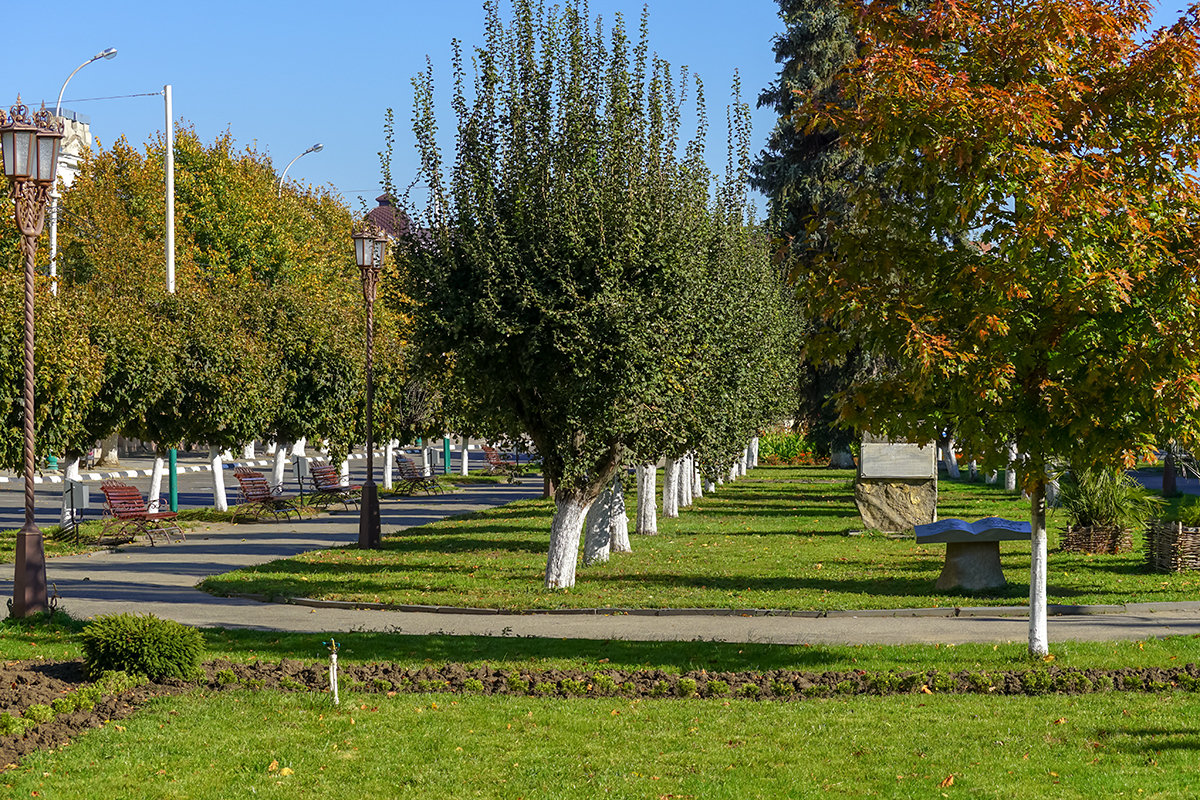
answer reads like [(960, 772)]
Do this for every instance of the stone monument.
[(896, 489)]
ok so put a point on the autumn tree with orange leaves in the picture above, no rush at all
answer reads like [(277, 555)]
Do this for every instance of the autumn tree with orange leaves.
[(1040, 280)]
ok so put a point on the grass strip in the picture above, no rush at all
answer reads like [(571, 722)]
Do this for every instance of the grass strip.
[(299, 746), (782, 538)]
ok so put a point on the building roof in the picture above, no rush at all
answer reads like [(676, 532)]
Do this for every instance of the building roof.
[(389, 219)]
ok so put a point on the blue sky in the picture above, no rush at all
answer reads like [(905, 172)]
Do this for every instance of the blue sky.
[(286, 75)]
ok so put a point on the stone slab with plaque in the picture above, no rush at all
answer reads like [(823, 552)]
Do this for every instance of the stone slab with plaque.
[(896, 488)]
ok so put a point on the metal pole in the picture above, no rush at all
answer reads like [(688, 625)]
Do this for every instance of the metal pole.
[(169, 170), (445, 454), (29, 578), (369, 534)]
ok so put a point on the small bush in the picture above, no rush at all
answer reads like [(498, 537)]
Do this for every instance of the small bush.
[(781, 688), (143, 645), (1035, 681), (470, 685), (603, 685), (1104, 683), (10, 725), (116, 681), (545, 688), (813, 691), (717, 688), (432, 686), (63, 705), (570, 686), (224, 677), (1132, 683), (288, 682), (750, 690), (686, 687), (517, 684), (39, 713), (382, 685), (940, 682), (660, 689), (628, 688)]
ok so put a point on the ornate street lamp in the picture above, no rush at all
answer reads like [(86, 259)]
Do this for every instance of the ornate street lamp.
[(368, 252), (30, 145)]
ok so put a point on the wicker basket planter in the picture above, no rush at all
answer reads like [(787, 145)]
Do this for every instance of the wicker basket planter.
[(1170, 547), (1096, 539)]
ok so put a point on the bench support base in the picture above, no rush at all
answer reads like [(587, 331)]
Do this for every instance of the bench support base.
[(973, 566)]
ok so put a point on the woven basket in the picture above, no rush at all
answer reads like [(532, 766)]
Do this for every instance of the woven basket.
[(1096, 539), (1170, 547)]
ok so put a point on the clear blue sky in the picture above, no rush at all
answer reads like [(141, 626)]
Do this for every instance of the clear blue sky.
[(286, 75)]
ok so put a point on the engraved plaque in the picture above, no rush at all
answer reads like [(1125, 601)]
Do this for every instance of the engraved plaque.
[(881, 458)]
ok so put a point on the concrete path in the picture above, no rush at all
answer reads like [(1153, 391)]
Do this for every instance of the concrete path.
[(161, 580)]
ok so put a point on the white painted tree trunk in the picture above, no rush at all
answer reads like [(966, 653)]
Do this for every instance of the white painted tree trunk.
[(754, 452), (220, 501), (743, 460), (110, 455), (619, 530), (465, 462), (1010, 474), (1039, 641), (344, 473), (389, 457), (709, 485), (647, 497), (697, 481), (248, 451), (70, 474), (992, 478), (951, 461), (733, 472), (571, 510), (154, 496), (427, 461), (670, 501), (272, 448), (298, 447), (685, 481), (598, 529), (973, 471), (280, 466), (227, 455)]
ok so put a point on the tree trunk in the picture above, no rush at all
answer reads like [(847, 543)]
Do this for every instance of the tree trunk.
[(1039, 642), (647, 497), (619, 530), (344, 473), (220, 501), (70, 474), (248, 451), (685, 481), (992, 478), (841, 459), (389, 457), (950, 459), (154, 496), (547, 487), (754, 452), (272, 448), (465, 464), (709, 485), (298, 447), (670, 500), (280, 465), (571, 510), (109, 453), (973, 471), (697, 481), (742, 461), (733, 472), (1010, 474), (597, 535)]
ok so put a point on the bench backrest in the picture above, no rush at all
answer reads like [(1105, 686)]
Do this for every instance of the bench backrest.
[(325, 476), (254, 485), (122, 499), (407, 468)]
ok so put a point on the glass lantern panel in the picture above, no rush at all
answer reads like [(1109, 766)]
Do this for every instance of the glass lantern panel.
[(18, 152), (47, 157), (379, 249), (362, 253), (6, 144)]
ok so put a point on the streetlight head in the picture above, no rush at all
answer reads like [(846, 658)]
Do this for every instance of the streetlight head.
[(106, 54), (316, 148)]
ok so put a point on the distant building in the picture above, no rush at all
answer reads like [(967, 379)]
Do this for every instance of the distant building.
[(77, 137), (389, 219)]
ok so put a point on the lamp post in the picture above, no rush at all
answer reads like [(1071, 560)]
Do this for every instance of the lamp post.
[(30, 145), (368, 251), (316, 148), (107, 54)]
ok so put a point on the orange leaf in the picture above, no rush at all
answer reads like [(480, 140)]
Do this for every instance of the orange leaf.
[(949, 781)]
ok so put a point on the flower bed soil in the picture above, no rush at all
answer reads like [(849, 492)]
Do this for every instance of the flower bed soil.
[(25, 683)]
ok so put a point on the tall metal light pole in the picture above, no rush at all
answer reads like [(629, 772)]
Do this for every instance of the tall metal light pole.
[(316, 148), (30, 145), (368, 251), (103, 54)]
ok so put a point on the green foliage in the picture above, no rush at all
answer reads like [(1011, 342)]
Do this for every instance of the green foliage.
[(716, 688), (473, 685), (1106, 496), (11, 725), (516, 684), (686, 687), (141, 645), (38, 713), (63, 705), (225, 677), (603, 684), (572, 687), (381, 685)]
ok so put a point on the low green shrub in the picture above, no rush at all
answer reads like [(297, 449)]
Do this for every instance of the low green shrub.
[(141, 644), (63, 705), (717, 688), (38, 713), (573, 687), (10, 725), (686, 687), (603, 684), (224, 677), (471, 685), (781, 688), (517, 684), (545, 688), (290, 683), (750, 690), (660, 689), (382, 685)]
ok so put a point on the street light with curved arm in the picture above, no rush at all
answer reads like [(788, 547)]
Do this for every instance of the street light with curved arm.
[(111, 52), (316, 148)]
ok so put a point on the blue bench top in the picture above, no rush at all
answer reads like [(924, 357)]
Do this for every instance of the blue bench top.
[(988, 529)]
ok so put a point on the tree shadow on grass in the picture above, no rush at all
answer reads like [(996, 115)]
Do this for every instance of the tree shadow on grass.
[(436, 541), (1131, 740)]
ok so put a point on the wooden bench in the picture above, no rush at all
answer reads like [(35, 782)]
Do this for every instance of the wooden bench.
[(411, 479), (258, 499), (126, 515), (972, 550), (327, 487), (498, 464)]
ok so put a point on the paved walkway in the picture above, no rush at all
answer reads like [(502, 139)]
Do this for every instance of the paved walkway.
[(161, 580)]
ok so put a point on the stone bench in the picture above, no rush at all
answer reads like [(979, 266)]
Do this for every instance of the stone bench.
[(972, 550)]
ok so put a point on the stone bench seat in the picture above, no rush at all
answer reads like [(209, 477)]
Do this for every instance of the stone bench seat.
[(972, 550)]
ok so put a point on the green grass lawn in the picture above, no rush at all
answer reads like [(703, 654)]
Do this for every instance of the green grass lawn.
[(782, 538), (436, 746)]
